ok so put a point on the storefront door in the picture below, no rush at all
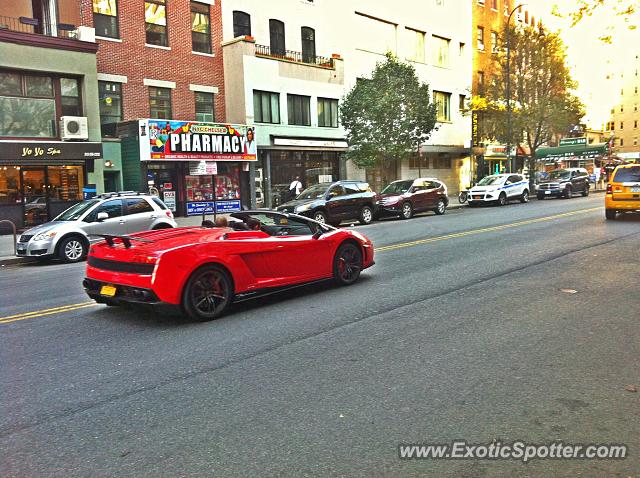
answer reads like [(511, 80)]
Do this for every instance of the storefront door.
[(34, 193)]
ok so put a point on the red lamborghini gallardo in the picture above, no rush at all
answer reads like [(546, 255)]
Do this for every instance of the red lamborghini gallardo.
[(202, 270)]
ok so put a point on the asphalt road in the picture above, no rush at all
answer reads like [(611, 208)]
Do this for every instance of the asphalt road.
[(514, 323)]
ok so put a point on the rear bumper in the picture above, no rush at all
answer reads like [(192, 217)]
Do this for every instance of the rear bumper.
[(127, 295), (621, 204)]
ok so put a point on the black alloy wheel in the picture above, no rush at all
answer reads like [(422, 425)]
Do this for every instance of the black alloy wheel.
[(347, 264), (407, 211), (208, 293), (441, 208)]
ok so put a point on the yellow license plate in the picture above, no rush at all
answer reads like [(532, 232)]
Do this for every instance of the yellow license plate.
[(108, 290)]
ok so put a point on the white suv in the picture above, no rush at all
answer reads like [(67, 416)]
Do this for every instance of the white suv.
[(69, 235), (500, 189)]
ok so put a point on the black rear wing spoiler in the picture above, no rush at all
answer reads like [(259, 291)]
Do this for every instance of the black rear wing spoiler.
[(126, 240)]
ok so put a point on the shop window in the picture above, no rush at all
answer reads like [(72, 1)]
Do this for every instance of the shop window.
[(200, 28), (442, 161), (10, 185), (137, 206), (298, 108), (159, 103), (70, 97), (266, 107), (418, 161), (227, 185), (327, 112), (105, 18), (27, 106), (65, 183), (443, 101), (308, 45), (241, 24), (155, 18), (276, 36), (205, 110), (110, 99)]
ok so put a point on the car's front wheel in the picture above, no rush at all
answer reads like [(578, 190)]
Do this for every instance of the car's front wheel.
[(502, 199), (441, 208), (610, 213), (407, 211), (585, 193), (366, 215), (320, 216), (72, 249), (347, 264), (568, 192), (208, 292), (525, 196)]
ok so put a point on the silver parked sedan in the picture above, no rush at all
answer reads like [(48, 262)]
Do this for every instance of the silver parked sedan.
[(69, 235)]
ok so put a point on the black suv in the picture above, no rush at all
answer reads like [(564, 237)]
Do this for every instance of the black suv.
[(335, 202), (564, 182)]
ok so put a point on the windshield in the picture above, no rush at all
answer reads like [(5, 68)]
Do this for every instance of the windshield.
[(488, 180), (627, 175), (397, 187), (559, 174), (314, 192), (75, 212)]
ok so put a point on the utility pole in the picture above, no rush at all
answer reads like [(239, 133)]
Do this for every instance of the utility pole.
[(509, 132)]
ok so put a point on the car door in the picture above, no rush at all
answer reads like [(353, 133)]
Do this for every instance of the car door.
[(432, 195), (354, 200), (116, 223), (335, 205), (512, 187), (139, 213)]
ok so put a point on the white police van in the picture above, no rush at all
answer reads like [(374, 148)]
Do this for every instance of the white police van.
[(500, 189)]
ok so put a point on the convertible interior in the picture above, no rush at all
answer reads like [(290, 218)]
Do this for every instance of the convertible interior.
[(272, 224)]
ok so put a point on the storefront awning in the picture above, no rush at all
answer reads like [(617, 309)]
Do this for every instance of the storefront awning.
[(572, 151)]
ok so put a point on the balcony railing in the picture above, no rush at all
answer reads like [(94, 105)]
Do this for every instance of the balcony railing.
[(294, 56), (35, 26)]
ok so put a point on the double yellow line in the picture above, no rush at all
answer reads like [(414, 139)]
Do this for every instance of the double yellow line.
[(428, 240), (43, 312)]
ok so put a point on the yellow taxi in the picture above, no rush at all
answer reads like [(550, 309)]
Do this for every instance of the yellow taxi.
[(623, 190)]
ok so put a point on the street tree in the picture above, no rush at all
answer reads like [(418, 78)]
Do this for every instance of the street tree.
[(581, 9), (388, 115), (541, 93)]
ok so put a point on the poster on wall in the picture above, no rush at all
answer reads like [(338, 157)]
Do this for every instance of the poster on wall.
[(193, 140), (169, 198)]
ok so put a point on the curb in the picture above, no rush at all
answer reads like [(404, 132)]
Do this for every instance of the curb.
[(8, 260)]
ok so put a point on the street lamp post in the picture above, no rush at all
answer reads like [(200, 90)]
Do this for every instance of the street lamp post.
[(509, 133)]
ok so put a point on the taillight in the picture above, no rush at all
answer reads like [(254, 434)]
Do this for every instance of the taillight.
[(144, 259), (609, 189), (169, 214)]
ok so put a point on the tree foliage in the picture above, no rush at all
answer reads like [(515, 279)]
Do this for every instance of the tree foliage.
[(387, 116), (542, 101), (582, 9)]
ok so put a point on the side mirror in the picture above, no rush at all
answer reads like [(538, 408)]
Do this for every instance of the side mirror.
[(102, 216), (317, 234)]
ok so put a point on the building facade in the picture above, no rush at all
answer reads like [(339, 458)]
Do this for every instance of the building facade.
[(624, 124), (50, 149)]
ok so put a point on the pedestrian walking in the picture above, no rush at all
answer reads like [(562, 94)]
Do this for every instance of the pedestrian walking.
[(295, 188)]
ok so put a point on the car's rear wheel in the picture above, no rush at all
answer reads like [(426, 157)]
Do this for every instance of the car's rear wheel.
[(610, 213), (366, 215), (525, 196), (441, 208), (72, 249), (347, 264), (320, 216), (407, 211), (208, 292), (585, 193), (502, 199), (568, 192)]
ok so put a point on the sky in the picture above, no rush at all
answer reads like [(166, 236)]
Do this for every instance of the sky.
[(590, 58)]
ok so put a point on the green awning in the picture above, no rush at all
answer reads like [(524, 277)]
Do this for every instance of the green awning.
[(573, 151)]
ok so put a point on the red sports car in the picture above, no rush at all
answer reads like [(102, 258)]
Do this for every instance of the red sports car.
[(202, 270)]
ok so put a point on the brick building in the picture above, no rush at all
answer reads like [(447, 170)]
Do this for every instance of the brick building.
[(159, 59)]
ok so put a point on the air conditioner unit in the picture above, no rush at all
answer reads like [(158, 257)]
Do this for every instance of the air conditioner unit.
[(73, 127)]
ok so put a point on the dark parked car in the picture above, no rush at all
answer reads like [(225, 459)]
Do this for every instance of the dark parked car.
[(335, 202), (564, 182), (405, 197)]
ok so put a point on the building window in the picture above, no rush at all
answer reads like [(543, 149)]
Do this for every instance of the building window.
[(494, 5), (308, 45), (461, 49), (481, 82), (621, 124), (110, 100), (441, 51), (621, 108), (415, 44), (635, 123), (27, 105), (635, 107), (276, 37), (205, 109), (241, 24), (635, 90), (266, 107), (506, 8), (443, 104), (200, 28), (155, 18), (461, 101), (480, 38), (159, 103), (327, 112), (105, 18), (299, 110), (481, 2), (621, 141), (494, 42), (635, 141), (70, 97)]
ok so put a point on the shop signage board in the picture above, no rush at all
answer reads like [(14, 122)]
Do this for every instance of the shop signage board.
[(52, 150), (207, 207), (227, 206), (194, 140), (316, 143), (203, 168), (573, 141), (169, 198)]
